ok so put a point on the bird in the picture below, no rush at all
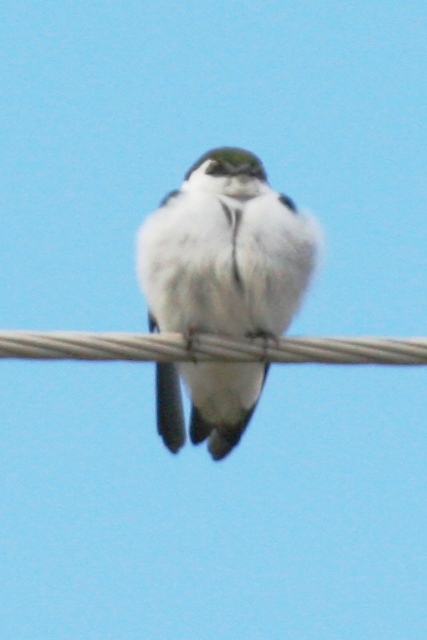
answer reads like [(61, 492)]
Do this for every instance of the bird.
[(225, 254)]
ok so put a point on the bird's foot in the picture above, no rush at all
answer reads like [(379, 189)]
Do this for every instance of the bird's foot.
[(267, 338), (190, 337)]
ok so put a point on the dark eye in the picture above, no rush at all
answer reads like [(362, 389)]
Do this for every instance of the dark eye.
[(215, 169), (258, 173)]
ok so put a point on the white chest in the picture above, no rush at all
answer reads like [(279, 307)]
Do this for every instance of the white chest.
[(224, 266)]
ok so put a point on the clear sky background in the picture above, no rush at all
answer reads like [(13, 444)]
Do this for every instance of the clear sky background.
[(315, 527)]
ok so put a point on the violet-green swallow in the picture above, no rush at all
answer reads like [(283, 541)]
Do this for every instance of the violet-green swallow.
[(227, 255)]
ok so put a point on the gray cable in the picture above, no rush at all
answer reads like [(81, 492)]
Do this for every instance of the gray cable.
[(168, 347)]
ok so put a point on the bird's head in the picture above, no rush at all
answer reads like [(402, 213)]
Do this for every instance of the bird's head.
[(229, 171)]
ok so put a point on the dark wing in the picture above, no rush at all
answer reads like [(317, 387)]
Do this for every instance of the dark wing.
[(199, 428), (170, 414), (222, 438), (288, 202)]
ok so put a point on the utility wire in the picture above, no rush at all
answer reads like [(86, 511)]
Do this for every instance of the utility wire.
[(173, 347)]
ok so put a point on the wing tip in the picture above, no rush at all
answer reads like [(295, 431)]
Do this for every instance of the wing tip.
[(173, 445)]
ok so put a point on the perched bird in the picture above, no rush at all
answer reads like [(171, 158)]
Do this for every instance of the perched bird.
[(228, 255)]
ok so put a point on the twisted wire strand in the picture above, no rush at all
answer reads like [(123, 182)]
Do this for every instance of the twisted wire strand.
[(170, 347)]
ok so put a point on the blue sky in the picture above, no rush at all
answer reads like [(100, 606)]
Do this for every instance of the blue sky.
[(315, 526)]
